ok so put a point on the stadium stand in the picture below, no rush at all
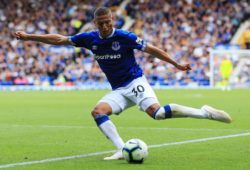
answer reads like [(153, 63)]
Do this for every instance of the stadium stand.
[(186, 29)]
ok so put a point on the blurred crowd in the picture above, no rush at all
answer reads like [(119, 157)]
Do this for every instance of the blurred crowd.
[(185, 29), (31, 63)]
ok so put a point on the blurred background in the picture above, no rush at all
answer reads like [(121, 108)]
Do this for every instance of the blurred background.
[(213, 36)]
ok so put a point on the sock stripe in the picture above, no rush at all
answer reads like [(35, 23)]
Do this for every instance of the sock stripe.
[(154, 114), (101, 119), (168, 111)]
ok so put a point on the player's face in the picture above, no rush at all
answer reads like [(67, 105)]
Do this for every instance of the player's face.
[(104, 24)]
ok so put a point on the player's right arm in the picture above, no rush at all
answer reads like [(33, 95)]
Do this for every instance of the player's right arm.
[(54, 39)]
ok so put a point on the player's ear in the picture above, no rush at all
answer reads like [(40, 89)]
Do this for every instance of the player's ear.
[(94, 22), (112, 16)]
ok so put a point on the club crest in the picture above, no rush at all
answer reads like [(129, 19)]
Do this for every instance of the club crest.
[(116, 46)]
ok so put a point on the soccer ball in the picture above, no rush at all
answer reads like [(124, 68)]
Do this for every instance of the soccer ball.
[(135, 151)]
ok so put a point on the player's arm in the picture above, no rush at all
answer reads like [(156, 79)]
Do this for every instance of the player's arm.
[(162, 55), (55, 39)]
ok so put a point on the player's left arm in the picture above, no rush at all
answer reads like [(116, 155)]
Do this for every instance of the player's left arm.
[(162, 55)]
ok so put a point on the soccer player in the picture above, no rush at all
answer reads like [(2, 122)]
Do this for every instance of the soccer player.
[(226, 68), (113, 50)]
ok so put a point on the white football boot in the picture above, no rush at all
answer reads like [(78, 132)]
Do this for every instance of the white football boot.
[(116, 156), (215, 114)]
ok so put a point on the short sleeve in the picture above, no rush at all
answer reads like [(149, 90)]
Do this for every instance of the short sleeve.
[(135, 42), (81, 40)]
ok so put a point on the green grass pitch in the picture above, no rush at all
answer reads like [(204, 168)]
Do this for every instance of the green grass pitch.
[(36, 126)]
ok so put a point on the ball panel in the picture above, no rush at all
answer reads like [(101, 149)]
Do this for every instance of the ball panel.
[(135, 151)]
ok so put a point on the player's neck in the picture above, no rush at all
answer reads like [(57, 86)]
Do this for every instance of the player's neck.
[(107, 36)]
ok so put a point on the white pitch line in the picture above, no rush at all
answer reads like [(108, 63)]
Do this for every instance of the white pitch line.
[(187, 129), (54, 159), (110, 151), (120, 127), (47, 126), (200, 140)]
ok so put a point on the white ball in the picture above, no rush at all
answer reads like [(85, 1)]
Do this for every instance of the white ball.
[(135, 151)]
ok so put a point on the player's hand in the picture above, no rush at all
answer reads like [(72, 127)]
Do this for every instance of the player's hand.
[(185, 67), (21, 35)]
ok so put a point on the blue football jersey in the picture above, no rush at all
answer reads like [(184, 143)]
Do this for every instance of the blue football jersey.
[(114, 54)]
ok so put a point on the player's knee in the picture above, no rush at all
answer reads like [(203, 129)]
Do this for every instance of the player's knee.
[(100, 110), (151, 110), (94, 113)]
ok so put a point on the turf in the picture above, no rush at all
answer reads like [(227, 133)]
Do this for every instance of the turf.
[(42, 125)]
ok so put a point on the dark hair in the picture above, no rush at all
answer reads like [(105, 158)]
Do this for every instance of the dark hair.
[(101, 11)]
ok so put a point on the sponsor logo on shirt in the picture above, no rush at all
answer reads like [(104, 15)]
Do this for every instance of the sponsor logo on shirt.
[(107, 57)]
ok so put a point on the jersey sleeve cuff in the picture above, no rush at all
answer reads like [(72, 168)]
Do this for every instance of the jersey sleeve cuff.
[(144, 45), (70, 40)]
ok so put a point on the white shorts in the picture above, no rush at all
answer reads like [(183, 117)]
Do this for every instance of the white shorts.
[(138, 92)]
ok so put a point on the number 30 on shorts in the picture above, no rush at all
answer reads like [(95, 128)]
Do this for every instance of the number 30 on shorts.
[(138, 89)]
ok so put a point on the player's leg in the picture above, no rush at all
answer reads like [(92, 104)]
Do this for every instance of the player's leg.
[(101, 114), (177, 111), (145, 97), (112, 103)]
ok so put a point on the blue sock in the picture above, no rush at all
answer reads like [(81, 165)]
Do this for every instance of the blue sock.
[(101, 119), (168, 111), (163, 112)]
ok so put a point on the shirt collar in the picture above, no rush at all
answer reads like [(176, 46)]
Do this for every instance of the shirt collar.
[(111, 35)]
